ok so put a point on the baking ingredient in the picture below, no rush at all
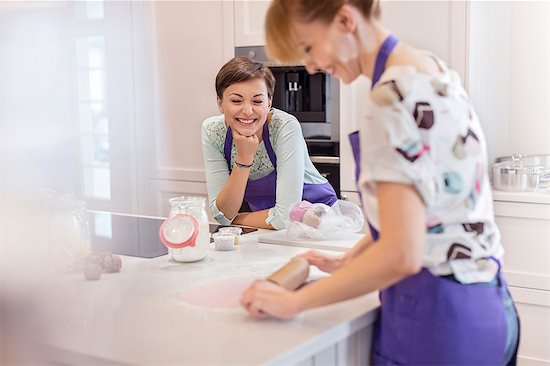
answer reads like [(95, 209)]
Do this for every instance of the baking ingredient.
[(224, 241), (237, 231), (95, 263), (92, 271), (298, 210), (112, 263)]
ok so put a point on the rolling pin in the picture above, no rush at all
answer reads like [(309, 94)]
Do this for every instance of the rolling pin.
[(292, 274)]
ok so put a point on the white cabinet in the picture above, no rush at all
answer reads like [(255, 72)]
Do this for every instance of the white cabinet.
[(534, 311), (249, 22), (525, 229), (353, 350), (509, 79), (185, 64)]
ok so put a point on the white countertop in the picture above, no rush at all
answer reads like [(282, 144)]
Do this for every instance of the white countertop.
[(542, 196), (138, 316)]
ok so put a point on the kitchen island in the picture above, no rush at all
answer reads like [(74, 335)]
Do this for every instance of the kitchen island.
[(146, 315)]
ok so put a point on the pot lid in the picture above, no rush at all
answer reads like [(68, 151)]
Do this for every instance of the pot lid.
[(513, 168), (517, 166), (179, 231)]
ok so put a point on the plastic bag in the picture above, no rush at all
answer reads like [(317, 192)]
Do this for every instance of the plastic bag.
[(317, 221)]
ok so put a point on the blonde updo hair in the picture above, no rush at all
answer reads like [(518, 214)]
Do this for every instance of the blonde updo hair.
[(280, 41)]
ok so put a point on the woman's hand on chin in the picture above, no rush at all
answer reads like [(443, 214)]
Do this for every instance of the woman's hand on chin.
[(246, 147)]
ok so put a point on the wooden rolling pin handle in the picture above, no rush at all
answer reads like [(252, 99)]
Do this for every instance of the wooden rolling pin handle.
[(292, 274)]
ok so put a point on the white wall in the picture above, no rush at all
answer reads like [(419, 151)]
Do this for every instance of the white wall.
[(509, 79)]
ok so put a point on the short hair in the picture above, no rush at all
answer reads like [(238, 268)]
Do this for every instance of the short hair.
[(241, 69), (281, 43)]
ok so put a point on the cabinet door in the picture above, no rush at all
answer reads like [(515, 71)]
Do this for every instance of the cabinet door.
[(525, 231), (534, 312), (185, 63), (249, 22)]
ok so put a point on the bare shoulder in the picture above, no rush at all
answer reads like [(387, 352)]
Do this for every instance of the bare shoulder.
[(422, 61)]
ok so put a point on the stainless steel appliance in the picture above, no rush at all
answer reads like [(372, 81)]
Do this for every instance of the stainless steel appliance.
[(518, 173), (315, 101)]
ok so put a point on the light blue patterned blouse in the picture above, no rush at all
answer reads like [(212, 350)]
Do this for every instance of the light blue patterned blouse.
[(294, 167)]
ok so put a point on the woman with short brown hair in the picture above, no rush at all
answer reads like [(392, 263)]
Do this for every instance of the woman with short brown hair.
[(255, 153)]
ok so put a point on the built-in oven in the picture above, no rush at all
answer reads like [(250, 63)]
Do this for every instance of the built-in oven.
[(324, 155), (314, 100)]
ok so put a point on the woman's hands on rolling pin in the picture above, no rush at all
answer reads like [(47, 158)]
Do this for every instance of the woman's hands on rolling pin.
[(265, 298), (326, 263), (246, 147)]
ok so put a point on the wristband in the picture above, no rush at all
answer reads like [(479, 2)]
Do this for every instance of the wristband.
[(243, 165)]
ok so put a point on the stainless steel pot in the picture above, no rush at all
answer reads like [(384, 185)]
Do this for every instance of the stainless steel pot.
[(518, 176)]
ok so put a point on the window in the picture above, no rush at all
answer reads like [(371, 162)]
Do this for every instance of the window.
[(67, 95)]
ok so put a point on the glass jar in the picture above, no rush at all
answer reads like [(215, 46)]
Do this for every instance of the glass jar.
[(68, 235), (197, 248)]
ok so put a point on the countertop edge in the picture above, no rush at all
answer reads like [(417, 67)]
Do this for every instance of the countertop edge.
[(325, 339)]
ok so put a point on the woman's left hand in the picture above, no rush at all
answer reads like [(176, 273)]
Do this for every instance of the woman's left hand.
[(265, 298)]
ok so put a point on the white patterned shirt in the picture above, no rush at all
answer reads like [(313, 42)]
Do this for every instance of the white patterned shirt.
[(422, 130)]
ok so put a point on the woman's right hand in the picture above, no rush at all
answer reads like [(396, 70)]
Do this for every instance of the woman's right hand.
[(326, 263), (246, 147)]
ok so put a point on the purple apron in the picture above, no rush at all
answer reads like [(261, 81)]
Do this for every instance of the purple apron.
[(430, 320), (260, 194)]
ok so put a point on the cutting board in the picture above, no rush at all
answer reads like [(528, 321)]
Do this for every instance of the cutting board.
[(280, 238)]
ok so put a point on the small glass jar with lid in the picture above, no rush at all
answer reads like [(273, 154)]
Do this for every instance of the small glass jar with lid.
[(68, 235), (186, 231)]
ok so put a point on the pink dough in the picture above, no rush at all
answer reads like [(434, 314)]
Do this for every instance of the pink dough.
[(224, 293), (297, 211)]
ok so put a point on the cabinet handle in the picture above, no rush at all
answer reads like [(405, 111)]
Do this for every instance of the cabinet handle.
[(344, 197)]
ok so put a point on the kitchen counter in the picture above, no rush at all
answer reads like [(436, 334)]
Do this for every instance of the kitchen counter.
[(140, 316), (542, 196)]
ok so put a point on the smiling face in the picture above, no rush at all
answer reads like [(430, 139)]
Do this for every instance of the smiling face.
[(331, 47), (245, 106)]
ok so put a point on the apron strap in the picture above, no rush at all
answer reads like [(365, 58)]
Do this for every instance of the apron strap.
[(383, 54), (268, 147), (497, 262), (227, 146)]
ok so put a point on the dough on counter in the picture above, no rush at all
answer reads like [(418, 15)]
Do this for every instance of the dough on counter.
[(298, 210), (312, 216), (223, 293)]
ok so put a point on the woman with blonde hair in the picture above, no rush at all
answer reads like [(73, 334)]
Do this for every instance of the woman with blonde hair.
[(434, 250)]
